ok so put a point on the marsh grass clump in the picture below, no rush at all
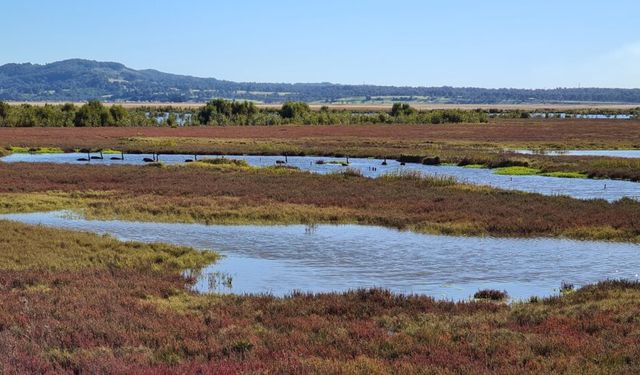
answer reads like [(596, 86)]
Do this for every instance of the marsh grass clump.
[(55, 250), (474, 166), (349, 172), (602, 232), (155, 164), (428, 179), (281, 168), (530, 171), (565, 174), (491, 295), (566, 288), (222, 164), (223, 161)]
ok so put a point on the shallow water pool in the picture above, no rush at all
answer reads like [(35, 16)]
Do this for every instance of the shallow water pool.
[(325, 258)]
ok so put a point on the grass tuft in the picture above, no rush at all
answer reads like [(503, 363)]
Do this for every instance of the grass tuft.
[(222, 161), (427, 179)]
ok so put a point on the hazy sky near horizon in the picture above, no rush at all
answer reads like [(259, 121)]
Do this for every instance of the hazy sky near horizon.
[(491, 43)]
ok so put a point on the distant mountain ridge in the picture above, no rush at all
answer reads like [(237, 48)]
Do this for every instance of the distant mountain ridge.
[(81, 80)]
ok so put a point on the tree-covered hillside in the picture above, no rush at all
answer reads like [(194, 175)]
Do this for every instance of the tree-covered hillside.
[(81, 80)]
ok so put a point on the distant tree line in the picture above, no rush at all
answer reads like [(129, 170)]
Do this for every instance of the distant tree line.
[(220, 112), (91, 114), (223, 112)]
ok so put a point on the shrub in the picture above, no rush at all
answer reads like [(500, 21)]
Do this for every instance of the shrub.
[(491, 295), (411, 159), (292, 110), (399, 109)]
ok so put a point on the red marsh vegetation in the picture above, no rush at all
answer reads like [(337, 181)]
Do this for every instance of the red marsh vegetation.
[(570, 132), (129, 311), (208, 195)]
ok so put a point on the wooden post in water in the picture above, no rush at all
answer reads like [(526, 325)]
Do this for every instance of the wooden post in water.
[(122, 155)]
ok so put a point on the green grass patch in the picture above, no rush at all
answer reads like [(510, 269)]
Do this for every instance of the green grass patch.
[(565, 174), (110, 152), (517, 171), (426, 179), (54, 249), (475, 166), (527, 171), (36, 150)]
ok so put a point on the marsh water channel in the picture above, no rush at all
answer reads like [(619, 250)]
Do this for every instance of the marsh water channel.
[(610, 190), (280, 259)]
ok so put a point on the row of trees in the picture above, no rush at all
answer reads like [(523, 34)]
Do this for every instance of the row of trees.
[(219, 112), (91, 114), (222, 112)]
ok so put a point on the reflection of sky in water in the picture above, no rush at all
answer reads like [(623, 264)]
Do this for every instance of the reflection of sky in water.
[(281, 259), (577, 188)]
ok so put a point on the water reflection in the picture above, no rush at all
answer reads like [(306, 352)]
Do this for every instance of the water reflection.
[(280, 259)]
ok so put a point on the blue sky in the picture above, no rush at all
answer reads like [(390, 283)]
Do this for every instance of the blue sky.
[(526, 44)]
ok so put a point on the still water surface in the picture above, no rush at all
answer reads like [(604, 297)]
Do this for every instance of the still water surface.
[(280, 259), (610, 190)]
